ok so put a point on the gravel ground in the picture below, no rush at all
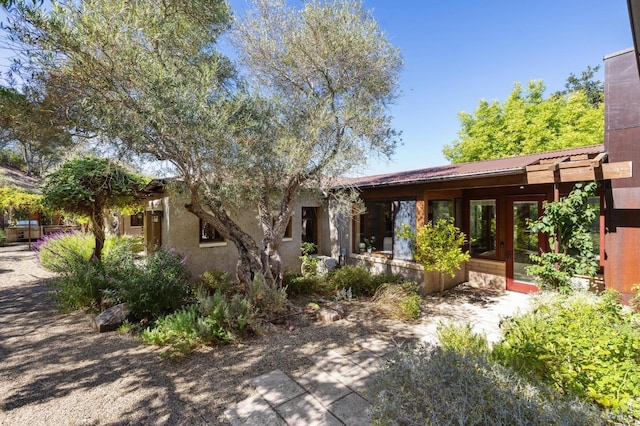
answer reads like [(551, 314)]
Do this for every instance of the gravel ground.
[(54, 369)]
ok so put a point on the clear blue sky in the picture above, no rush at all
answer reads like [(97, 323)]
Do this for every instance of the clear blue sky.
[(458, 52)]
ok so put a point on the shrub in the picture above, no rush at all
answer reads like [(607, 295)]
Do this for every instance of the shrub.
[(634, 302), (581, 344), (268, 301), (462, 339), (357, 278), (160, 287), (297, 284), (3, 238), (400, 301), (385, 278), (62, 251), (80, 286), (213, 319), (442, 386), (212, 281)]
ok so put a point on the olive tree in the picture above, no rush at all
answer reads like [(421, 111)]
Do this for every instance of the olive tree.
[(89, 186), (150, 77)]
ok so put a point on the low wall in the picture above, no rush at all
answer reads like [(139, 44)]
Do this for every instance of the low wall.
[(491, 274)]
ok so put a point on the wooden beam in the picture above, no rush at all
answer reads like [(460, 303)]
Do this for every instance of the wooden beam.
[(619, 170)]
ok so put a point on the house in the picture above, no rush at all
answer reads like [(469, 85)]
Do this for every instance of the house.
[(168, 224), (491, 201)]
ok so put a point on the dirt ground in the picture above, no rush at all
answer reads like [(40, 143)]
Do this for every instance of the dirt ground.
[(55, 369)]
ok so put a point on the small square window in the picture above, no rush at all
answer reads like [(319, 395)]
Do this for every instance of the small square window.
[(209, 234), (137, 219)]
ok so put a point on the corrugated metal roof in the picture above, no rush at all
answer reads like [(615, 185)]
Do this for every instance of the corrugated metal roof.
[(500, 167)]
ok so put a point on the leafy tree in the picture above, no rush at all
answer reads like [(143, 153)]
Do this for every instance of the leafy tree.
[(527, 123), (89, 186), (437, 246), (17, 202), (567, 222), (30, 123), (151, 78), (593, 88)]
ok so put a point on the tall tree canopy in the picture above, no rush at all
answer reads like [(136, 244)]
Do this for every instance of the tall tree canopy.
[(89, 186), (149, 75), (527, 123), (30, 124)]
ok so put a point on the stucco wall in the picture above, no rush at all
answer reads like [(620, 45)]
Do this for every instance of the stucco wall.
[(180, 231)]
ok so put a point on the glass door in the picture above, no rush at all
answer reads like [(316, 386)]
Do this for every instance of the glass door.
[(521, 242)]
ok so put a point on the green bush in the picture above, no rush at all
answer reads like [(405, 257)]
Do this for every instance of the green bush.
[(3, 238), (581, 344), (62, 251), (213, 319), (269, 302), (358, 278), (212, 281), (462, 339), (634, 302), (297, 285), (159, 286), (443, 386), (80, 286)]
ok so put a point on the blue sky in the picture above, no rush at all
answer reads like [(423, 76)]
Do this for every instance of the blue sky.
[(458, 52)]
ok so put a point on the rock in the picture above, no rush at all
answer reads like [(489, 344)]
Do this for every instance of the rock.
[(328, 315), (111, 319)]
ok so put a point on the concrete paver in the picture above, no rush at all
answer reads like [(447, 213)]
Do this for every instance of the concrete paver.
[(338, 390)]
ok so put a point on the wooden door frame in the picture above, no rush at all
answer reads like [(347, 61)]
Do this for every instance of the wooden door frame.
[(512, 284)]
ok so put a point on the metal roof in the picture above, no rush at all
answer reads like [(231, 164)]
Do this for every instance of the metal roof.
[(500, 167)]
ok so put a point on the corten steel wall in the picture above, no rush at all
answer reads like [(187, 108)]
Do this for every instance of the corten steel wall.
[(622, 197)]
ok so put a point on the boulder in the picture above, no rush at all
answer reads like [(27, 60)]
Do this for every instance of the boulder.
[(329, 315), (111, 318)]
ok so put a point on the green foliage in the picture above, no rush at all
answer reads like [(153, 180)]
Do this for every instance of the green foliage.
[(297, 285), (525, 124), (582, 344), (19, 202), (159, 286), (634, 302), (3, 238), (594, 89), (444, 386), (568, 222), (358, 278), (211, 281), (437, 246), (400, 301), (309, 263), (269, 302), (462, 339), (88, 186), (156, 285), (10, 158)]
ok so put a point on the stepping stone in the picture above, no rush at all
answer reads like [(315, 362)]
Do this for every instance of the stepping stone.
[(305, 410), (375, 345), (323, 386), (254, 411), (277, 388), (353, 410), (367, 360), (332, 362)]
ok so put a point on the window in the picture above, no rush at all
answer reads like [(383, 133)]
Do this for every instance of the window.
[(309, 225), (137, 219), (209, 234), (482, 228), (376, 228), (440, 209)]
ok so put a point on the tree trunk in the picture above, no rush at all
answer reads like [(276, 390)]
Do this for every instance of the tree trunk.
[(249, 255), (441, 279), (97, 225)]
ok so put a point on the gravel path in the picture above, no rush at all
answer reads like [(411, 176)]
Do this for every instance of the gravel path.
[(55, 369)]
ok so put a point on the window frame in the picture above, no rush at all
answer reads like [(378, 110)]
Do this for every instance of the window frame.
[(496, 202), (139, 217)]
